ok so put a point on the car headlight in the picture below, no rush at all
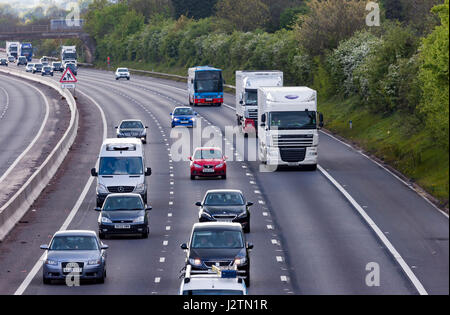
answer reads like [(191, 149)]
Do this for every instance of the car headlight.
[(175, 119), (242, 215), (51, 262), (219, 165), (206, 214), (195, 262), (94, 262), (140, 188), (240, 261), (139, 219), (106, 220), (197, 166), (101, 189)]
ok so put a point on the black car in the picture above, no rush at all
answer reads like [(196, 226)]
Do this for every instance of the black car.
[(218, 244), (22, 61), (123, 214), (3, 62), (72, 67), (47, 70), (57, 66), (225, 205)]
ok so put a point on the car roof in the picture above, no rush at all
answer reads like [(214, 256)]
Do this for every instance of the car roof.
[(217, 225), (126, 120), (213, 282), (223, 190), (124, 195), (182, 107), (76, 233)]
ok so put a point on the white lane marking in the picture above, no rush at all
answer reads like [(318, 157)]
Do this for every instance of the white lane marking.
[(269, 227), (162, 259), (387, 170), (274, 242), (265, 214), (7, 103), (37, 266), (169, 214), (283, 278), (168, 228), (157, 280), (412, 277), (41, 129), (165, 243), (279, 259)]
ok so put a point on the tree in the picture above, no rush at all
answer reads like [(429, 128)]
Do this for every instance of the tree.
[(328, 23), (243, 15), (290, 16), (196, 9), (150, 8), (393, 9), (276, 8), (434, 76)]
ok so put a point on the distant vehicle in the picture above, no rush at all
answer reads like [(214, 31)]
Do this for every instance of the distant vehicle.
[(247, 84), (220, 245), (29, 67), (47, 70), (121, 169), (57, 66), (72, 67), (132, 128), (122, 73), (74, 252), (225, 205), (183, 116), (37, 67), (123, 214), (3, 62), (22, 60), (288, 131), (26, 50), (216, 281), (12, 49), (69, 54), (11, 59), (208, 162), (205, 86), (44, 60)]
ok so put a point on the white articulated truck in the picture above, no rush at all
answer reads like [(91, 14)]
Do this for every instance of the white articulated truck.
[(12, 49), (69, 54), (247, 84), (288, 126)]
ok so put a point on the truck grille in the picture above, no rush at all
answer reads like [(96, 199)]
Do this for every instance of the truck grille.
[(120, 189), (293, 140), (293, 154), (253, 114)]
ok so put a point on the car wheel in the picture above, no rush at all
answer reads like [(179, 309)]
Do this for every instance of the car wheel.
[(46, 280), (101, 236), (247, 227), (117, 79), (192, 177), (128, 79), (101, 279), (145, 235), (247, 279), (224, 176), (145, 140)]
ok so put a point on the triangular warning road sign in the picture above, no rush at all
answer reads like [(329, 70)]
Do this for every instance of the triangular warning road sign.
[(68, 77)]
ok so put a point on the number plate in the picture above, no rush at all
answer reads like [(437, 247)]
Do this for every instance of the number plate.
[(122, 226), (78, 270), (292, 164), (184, 121), (209, 99), (208, 170)]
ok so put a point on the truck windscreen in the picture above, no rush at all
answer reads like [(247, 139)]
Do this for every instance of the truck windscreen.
[(208, 82), (70, 56), (292, 120), (251, 97)]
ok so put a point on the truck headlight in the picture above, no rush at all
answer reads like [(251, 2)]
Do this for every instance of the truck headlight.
[(140, 188), (101, 189)]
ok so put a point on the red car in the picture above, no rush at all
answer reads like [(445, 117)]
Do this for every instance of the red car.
[(208, 162)]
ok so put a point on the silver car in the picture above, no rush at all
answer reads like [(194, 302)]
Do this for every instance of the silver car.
[(132, 128), (74, 253)]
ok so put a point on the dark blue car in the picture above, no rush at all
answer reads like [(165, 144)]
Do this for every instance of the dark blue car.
[(183, 116)]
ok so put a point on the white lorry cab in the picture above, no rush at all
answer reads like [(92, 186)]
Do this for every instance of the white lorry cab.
[(288, 126), (247, 84), (215, 281), (121, 169), (69, 54)]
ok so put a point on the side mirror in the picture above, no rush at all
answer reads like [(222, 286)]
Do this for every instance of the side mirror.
[(98, 209), (149, 208), (250, 245), (249, 204), (321, 124), (195, 113), (183, 246), (198, 204), (44, 247), (225, 157), (146, 127), (192, 81), (148, 171), (94, 172), (263, 118), (171, 114), (190, 158), (104, 246), (241, 102)]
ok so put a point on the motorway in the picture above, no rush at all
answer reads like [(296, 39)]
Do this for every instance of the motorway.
[(308, 238)]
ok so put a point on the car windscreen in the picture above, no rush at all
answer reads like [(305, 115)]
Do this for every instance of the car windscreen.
[(47, 68), (121, 166), (183, 111), (123, 203), (131, 125), (224, 199), (213, 292), (217, 238), (38, 65), (122, 70), (208, 154), (74, 242)]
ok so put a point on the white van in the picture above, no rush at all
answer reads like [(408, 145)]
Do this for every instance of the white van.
[(121, 169)]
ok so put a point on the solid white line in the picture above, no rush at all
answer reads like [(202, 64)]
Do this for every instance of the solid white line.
[(389, 171), (412, 277), (37, 266), (7, 103), (41, 129)]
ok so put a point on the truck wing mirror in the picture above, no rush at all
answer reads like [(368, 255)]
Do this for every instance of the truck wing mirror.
[(148, 171), (263, 118), (94, 172), (321, 124)]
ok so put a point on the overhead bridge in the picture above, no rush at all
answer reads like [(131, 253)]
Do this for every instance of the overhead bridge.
[(34, 32)]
